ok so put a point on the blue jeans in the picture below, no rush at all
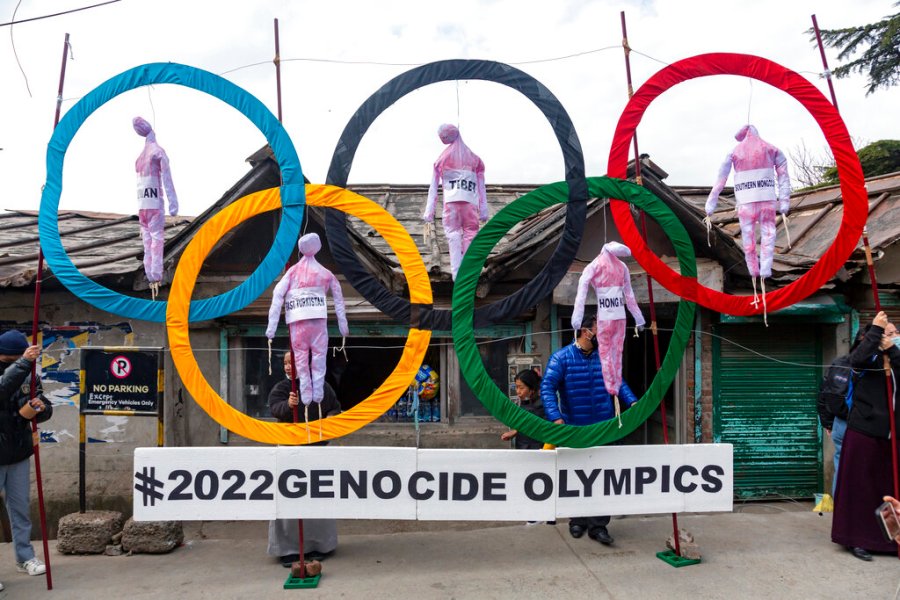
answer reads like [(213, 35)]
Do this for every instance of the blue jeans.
[(838, 429), (14, 481)]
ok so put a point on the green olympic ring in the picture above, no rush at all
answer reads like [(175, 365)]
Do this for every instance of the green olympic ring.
[(493, 398)]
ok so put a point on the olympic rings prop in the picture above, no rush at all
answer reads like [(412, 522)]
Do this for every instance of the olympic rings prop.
[(295, 433), (850, 173), (139, 308), (471, 366), (535, 290)]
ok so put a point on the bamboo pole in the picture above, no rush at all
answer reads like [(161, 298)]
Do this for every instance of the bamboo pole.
[(34, 340), (653, 325)]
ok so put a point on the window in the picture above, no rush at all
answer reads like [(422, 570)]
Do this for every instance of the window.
[(494, 356)]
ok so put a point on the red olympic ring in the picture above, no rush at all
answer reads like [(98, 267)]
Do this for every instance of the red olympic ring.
[(849, 171)]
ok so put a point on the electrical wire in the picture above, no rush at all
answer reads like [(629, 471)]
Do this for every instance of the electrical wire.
[(401, 64), (66, 12), (15, 53), (484, 342)]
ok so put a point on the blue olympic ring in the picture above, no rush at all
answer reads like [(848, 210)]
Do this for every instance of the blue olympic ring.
[(293, 194)]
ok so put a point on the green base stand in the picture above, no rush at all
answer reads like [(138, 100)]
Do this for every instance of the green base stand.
[(673, 559), (295, 583)]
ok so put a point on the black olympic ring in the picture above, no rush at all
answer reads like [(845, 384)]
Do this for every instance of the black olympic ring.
[(426, 316)]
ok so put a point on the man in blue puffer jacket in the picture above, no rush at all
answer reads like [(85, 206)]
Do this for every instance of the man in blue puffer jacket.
[(574, 373)]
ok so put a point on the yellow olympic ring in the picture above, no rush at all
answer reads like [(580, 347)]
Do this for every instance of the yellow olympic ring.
[(183, 287)]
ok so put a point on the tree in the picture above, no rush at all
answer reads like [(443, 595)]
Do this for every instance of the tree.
[(808, 166), (878, 158), (881, 54)]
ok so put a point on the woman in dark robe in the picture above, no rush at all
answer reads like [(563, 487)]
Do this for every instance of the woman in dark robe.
[(866, 472)]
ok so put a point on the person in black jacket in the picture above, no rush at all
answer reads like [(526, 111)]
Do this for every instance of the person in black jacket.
[(17, 409), (319, 535), (528, 391), (866, 469)]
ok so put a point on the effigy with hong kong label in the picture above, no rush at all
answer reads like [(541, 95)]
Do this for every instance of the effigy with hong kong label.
[(583, 476)]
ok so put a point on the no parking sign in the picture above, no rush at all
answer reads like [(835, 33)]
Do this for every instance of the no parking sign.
[(121, 380)]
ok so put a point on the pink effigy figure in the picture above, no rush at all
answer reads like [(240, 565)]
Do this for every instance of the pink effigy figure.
[(461, 173), (611, 281), (153, 178), (302, 292), (756, 193)]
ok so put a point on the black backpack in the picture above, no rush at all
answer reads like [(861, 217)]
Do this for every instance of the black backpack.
[(837, 385)]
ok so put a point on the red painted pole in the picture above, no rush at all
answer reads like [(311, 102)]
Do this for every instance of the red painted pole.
[(277, 62), (870, 264), (296, 410), (824, 61), (296, 414), (34, 340), (653, 326)]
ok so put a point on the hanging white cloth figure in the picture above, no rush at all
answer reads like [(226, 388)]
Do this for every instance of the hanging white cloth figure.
[(461, 173), (757, 164), (611, 281), (153, 178), (302, 291)]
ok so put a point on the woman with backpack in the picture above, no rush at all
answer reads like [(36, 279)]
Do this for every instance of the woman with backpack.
[(866, 468)]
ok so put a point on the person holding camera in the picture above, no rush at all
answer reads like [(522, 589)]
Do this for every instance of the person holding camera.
[(866, 469), (17, 409)]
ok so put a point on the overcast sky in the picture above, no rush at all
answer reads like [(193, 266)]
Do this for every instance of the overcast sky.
[(687, 131)]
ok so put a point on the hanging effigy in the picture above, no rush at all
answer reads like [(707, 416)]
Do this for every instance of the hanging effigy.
[(611, 281), (757, 164), (153, 179), (302, 291), (461, 174)]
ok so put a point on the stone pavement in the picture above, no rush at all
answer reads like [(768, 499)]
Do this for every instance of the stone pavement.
[(773, 550)]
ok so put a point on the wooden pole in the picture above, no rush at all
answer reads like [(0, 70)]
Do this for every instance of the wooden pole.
[(277, 62), (824, 61), (870, 264), (653, 325), (34, 340)]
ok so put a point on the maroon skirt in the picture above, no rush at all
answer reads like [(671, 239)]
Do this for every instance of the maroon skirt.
[(864, 476)]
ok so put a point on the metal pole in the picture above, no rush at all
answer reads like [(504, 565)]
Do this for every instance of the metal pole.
[(653, 326), (82, 464)]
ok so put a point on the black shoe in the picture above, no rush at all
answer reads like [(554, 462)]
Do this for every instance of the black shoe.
[(316, 555), (576, 531), (288, 559), (860, 553), (601, 535)]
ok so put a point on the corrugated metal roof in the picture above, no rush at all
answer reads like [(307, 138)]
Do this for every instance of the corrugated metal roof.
[(99, 244), (407, 202), (814, 222)]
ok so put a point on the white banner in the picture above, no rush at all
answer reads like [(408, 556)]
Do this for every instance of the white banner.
[(405, 483)]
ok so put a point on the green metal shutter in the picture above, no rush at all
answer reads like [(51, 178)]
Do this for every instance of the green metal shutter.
[(764, 403)]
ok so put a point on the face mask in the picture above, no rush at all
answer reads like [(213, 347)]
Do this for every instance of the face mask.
[(594, 343), (896, 341)]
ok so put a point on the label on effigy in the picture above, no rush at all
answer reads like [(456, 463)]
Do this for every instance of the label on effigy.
[(303, 304), (756, 185), (149, 194), (610, 303), (460, 186)]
